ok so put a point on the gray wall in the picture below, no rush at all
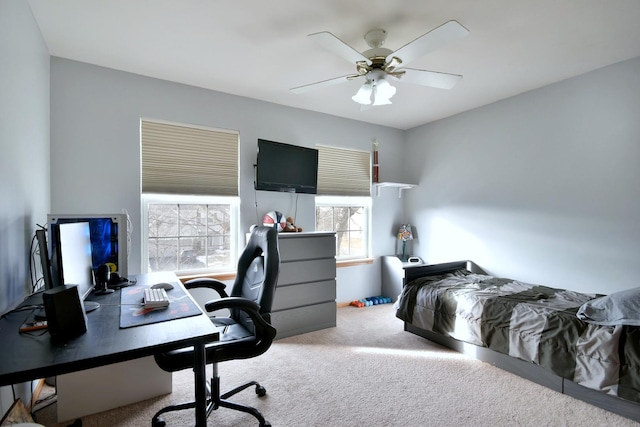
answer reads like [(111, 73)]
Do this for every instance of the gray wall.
[(24, 144), (95, 151), (542, 187)]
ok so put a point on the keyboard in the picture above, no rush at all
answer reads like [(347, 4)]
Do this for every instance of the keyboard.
[(155, 298)]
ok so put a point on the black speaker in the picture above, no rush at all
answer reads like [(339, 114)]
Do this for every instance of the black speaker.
[(65, 313)]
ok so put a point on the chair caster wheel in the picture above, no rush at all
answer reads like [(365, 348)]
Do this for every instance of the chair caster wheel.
[(158, 423), (261, 391)]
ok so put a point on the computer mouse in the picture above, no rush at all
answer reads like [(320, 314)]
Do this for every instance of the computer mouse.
[(163, 285)]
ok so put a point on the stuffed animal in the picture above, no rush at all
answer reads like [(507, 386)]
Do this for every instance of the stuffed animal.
[(291, 227)]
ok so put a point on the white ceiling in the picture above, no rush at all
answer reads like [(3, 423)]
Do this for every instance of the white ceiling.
[(260, 49)]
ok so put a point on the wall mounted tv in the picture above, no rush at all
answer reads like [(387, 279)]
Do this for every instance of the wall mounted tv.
[(109, 238), (286, 167)]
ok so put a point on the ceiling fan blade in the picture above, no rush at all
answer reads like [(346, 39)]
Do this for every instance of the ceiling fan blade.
[(429, 78), (433, 40), (323, 83), (337, 46)]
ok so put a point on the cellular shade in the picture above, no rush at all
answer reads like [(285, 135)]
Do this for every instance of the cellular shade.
[(343, 172), (183, 159)]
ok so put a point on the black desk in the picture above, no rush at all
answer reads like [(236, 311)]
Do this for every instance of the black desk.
[(25, 357)]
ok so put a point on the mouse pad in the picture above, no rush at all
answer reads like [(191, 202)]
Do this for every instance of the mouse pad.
[(132, 313)]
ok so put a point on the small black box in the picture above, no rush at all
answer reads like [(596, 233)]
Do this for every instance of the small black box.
[(65, 312)]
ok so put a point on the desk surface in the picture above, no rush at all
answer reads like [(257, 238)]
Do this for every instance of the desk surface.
[(29, 356)]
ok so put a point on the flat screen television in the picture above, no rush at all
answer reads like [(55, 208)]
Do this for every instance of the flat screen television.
[(286, 167), (109, 237)]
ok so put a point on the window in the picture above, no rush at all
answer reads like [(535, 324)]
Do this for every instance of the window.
[(349, 218), (343, 203), (189, 197), (188, 234)]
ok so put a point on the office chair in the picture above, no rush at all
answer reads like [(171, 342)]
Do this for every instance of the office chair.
[(245, 333)]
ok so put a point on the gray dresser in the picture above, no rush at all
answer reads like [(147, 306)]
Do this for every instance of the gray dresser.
[(305, 298)]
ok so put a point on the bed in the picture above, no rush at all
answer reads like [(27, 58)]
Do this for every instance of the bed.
[(583, 345)]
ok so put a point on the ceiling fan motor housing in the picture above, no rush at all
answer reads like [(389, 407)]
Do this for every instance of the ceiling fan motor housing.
[(377, 54), (375, 38)]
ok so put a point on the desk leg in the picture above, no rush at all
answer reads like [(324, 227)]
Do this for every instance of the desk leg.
[(200, 379)]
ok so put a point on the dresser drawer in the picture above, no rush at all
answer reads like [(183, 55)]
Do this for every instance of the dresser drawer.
[(306, 271), (304, 294), (304, 319), (308, 247)]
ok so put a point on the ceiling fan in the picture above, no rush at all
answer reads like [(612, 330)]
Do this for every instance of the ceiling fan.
[(377, 64)]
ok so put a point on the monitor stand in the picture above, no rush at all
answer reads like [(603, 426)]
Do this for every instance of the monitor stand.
[(90, 306)]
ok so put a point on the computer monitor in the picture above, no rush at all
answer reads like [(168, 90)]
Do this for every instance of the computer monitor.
[(109, 237), (71, 259), (45, 261)]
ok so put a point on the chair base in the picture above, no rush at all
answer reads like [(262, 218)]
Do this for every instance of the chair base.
[(215, 401)]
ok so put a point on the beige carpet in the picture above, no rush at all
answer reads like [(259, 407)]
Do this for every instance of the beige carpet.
[(369, 372)]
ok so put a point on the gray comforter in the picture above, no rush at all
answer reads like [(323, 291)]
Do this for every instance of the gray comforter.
[(534, 323)]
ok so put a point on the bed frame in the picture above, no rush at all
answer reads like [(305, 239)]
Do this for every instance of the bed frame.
[(529, 371)]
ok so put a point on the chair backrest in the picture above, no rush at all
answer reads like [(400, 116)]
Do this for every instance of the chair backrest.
[(258, 268)]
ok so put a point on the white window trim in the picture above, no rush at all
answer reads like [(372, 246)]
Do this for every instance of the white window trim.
[(149, 198), (351, 201)]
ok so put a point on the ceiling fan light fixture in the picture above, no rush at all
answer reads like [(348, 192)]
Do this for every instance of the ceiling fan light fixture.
[(375, 91), (378, 99), (363, 97), (383, 91)]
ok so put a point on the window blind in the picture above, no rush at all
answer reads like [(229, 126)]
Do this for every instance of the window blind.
[(183, 159), (343, 172)]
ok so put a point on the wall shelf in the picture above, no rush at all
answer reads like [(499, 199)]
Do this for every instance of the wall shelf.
[(400, 186)]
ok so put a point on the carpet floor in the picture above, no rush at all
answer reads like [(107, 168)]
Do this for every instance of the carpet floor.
[(367, 372)]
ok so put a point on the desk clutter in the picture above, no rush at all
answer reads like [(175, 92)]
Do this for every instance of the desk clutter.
[(33, 325), (133, 312)]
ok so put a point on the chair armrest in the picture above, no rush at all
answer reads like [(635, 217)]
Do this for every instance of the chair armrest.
[(265, 332), (206, 282), (232, 302)]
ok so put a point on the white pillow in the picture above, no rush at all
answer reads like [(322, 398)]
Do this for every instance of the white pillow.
[(619, 308)]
